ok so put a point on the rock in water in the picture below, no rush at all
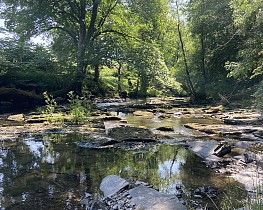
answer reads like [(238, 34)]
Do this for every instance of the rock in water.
[(224, 151), (112, 184), (149, 199)]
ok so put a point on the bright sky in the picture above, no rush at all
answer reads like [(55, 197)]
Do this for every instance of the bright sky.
[(2, 25), (37, 40), (1, 22)]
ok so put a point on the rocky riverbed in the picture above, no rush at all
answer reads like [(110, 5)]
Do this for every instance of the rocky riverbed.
[(228, 140)]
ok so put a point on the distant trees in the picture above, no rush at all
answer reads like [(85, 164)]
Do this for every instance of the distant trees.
[(82, 28), (212, 27), (248, 62), (26, 66), (80, 22), (202, 44)]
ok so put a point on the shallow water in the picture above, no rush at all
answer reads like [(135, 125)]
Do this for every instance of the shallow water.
[(50, 171)]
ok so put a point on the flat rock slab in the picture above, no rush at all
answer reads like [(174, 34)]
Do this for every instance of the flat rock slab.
[(222, 129), (204, 149), (17, 117), (112, 184), (144, 114), (149, 199), (132, 134)]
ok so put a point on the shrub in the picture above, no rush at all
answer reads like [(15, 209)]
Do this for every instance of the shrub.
[(79, 108)]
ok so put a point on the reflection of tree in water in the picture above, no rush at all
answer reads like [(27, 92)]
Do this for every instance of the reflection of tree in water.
[(54, 172), (195, 174), (158, 165), (39, 175)]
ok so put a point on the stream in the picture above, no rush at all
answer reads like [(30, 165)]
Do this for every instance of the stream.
[(49, 171)]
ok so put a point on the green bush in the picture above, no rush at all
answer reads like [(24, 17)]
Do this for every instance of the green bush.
[(79, 108)]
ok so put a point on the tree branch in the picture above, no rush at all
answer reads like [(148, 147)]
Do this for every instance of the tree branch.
[(94, 13), (75, 40), (103, 18), (125, 36)]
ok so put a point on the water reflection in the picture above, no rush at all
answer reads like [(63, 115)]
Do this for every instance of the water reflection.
[(41, 173)]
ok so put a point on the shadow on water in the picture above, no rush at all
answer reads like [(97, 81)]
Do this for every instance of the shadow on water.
[(51, 172)]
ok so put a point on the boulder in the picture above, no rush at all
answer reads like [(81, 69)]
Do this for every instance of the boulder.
[(222, 129), (205, 149), (111, 118), (121, 194), (145, 114)]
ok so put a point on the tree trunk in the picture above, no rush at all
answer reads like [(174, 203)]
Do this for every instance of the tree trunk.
[(80, 74), (144, 85), (203, 69), (96, 74), (84, 39), (189, 81), (119, 78)]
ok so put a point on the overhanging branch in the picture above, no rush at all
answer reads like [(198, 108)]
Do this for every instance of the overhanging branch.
[(125, 36), (75, 40)]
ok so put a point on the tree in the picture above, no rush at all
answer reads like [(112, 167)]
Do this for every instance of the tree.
[(212, 26), (189, 81), (248, 63), (145, 56), (248, 20), (82, 21), (26, 66)]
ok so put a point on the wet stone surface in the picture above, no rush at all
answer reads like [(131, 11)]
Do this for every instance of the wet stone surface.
[(121, 194), (63, 161)]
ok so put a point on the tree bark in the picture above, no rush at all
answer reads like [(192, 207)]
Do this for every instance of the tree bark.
[(84, 39), (203, 69), (96, 73), (119, 78), (189, 81)]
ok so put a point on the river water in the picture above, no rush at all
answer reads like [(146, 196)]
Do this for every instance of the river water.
[(49, 171)]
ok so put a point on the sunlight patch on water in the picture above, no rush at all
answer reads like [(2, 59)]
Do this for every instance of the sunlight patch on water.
[(40, 149), (169, 167), (1, 188)]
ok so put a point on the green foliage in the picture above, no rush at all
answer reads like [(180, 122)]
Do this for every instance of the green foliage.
[(79, 108), (50, 109), (211, 27), (51, 103), (259, 97), (220, 38), (27, 67)]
